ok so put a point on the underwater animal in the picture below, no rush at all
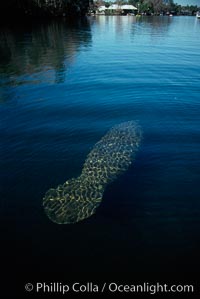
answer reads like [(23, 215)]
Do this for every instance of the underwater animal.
[(78, 198)]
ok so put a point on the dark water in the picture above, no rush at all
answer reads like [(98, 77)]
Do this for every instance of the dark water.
[(62, 87)]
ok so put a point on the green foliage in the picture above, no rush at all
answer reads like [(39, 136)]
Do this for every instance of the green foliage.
[(133, 2), (107, 4), (44, 7)]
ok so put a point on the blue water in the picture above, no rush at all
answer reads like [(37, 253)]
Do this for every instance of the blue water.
[(62, 87)]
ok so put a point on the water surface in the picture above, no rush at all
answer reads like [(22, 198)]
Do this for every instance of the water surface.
[(62, 87)]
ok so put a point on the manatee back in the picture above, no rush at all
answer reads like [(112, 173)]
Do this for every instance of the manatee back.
[(79, 198)]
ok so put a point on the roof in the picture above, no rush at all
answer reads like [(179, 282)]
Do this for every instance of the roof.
[(116, 6), (102, 8), (126, 6)]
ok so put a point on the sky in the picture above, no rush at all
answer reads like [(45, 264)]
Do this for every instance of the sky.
[(189, 2)]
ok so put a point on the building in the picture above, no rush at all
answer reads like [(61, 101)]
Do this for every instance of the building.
[(116, 9)]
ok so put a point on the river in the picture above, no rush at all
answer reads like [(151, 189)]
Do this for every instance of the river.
[(63, 86)]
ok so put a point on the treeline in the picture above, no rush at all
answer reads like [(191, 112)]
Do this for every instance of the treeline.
[(154, 6), (39, 8), (21, 48)]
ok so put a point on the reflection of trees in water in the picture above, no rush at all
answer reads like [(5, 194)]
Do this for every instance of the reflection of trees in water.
[(117, 23), (157, 25), (122, 25), (49, 46)]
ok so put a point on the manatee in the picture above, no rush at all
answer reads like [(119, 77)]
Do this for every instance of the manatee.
[(78, 198)]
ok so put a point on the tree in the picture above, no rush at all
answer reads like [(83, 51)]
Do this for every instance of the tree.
[(133, 2), (157, 5), (16, 8), (107, 4)]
